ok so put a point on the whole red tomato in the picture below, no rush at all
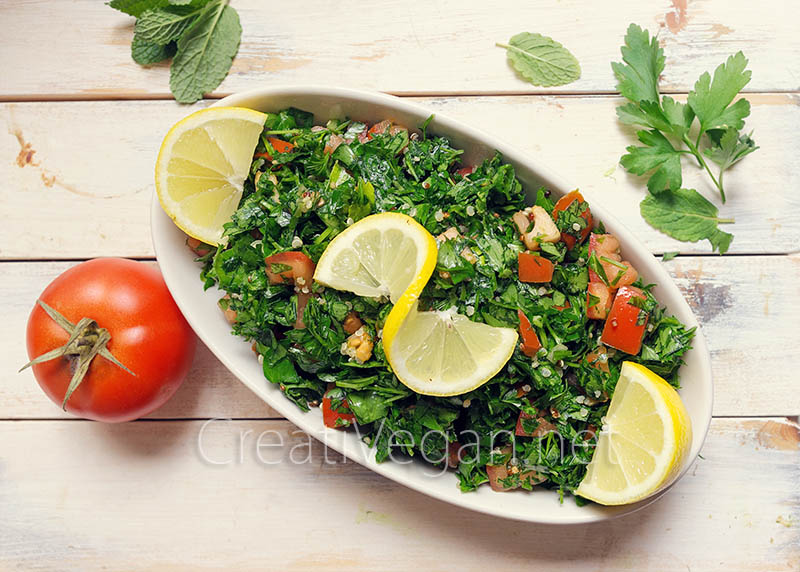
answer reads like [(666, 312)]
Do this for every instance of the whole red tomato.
[(148, 336)]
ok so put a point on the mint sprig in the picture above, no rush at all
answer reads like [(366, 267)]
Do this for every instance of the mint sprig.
[(672, 132), (202, 37)]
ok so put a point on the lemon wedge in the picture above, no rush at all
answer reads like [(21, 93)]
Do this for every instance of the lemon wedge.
[(645, 438), (443, 353), (433, 353), (385, 254), (202, 165)]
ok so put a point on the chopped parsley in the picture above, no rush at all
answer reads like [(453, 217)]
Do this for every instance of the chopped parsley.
[(305, 196)]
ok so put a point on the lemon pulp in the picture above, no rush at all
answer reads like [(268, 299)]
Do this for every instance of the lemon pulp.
[(202, 165), (644, 440)]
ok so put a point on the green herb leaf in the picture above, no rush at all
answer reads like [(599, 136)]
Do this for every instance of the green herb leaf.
[(710, 99), (644, 62), (667, 256), (670, 117), (162, 26), (729, 147), (541, 60), (148, 53), (205, 52), (686, 215), (679, 115), (658, 155), (136, 8), (711, 102)]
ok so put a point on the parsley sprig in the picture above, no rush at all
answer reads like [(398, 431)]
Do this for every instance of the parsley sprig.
[(671, 132)]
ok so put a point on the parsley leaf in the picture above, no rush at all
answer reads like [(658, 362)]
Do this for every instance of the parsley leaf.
[(729, 147), (541, 60), (670, 117), (205, 52), (658, 155), (710, 100), (638, 80), (686, 215)]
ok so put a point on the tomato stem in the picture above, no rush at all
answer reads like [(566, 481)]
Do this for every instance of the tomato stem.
[(86, 340)]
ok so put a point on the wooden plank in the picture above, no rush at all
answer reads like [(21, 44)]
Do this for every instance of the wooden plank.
[(146, 496), (398, 47), (58, 171), (740, 302)]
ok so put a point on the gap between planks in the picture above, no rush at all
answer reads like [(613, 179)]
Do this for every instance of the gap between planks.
[(63, 98)]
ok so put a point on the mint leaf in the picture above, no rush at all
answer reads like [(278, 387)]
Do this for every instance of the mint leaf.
[(162, 26), (205, 52), (684, 214), (148, 53), (541, 60), (710, 99), (658, 155), (729, 147), (137, 7), (644, 62)]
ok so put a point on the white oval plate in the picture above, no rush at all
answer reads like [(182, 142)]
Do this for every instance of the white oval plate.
[(200, 309)]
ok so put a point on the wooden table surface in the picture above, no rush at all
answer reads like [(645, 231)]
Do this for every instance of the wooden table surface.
[(81, 127)]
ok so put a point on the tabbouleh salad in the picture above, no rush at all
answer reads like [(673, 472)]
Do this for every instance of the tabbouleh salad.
[(547, 269)]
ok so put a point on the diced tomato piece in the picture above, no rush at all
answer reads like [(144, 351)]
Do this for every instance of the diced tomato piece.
[(530, 341), (300, 271), (453, 454), (198, 247), (496, 474), (542, 428), (339, 418), (594, 242), (564, 307), (299, 266), (562, 205), (379, 128), (465, 171), (598, 358), (598, 309), (230, 315), (605, 247), (624, 328), (499, 473), (533, 268), (279, 145), (627, 278), (332, 144)]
